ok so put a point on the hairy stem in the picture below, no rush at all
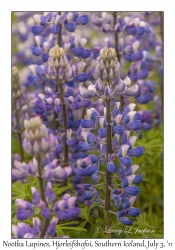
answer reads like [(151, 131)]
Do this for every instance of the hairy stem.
[(56, 117), (108, 175), (44, 229), (40, 179), (161, 13), (116, 37), (59, 33), (19, 136), (116, 46), (64, 113), (64, 124), (43, 198)]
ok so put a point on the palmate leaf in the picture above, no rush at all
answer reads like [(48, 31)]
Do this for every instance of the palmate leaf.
[(80, 234), (18, 191), (59, 190), (22, 190), (18, 187)]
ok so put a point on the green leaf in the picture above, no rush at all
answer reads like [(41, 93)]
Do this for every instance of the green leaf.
[(16, 197), (37, 210), (142, 224), (29, 192), (59, 231), (72, 228), (95, 204), (69, 223), (83, 224), (79, 234), (29, 222), (84, 214), (58, 191), (18, 187)]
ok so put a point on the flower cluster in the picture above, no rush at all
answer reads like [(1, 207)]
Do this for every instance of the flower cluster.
[(37, 141), (64, 209), (24, 230), (68, 19), (118, 125), (59, 67)]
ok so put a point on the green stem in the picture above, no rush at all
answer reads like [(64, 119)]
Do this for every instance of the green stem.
[(43, 198), (108, 175)]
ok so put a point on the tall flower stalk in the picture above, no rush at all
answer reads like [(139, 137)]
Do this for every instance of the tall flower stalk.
[(61, 70), (108, 174), (113, 125), (36, 144)]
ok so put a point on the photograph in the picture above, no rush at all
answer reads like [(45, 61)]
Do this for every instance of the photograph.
[(87, 125)]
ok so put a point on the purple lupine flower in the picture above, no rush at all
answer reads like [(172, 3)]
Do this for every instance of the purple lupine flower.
[(43, 47), (86, 166), (48, 102), (65, 208), (77, 47), (22, 170), (55, 172), (146, 119), (35, 196), (23, 230), (146, 91), (50, 195), (69, 20), (51, 229), (25, 209)]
